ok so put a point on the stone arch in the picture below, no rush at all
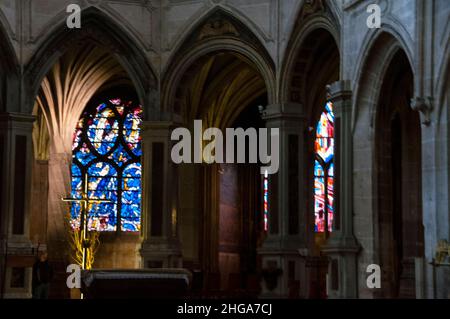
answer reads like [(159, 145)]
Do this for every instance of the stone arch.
[(197, 20), (233, 71), (381, 48), (94, 52), (312, 61), (374, 132), (230, 36), (312, 17), (101, 30), (316, 52), (372, 37), (398, 166), (216, 86)]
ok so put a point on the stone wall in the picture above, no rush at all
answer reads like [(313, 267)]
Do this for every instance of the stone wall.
[(158, 28)]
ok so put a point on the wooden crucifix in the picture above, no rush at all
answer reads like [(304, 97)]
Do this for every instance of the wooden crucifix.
[(84, 218)]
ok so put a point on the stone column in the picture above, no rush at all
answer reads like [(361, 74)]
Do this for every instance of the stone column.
[(342, 246), (211, 217), (15, 188), (160, 246), (281, 260), (59, 165), (435, 191)]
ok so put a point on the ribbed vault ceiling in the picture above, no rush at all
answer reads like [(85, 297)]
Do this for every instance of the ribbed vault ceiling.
[(65, 92), (219, 87)]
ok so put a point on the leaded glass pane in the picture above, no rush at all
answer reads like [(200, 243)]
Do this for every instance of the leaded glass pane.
[(110, 157), (324, 171)]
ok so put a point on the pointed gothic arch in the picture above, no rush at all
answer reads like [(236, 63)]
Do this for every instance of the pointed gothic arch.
[(386, 127), (228, 71), (199, 19), (101, 30), (316, 18), (217, 32), (99, 56), (398, 164), (311, 62), (372, 64)]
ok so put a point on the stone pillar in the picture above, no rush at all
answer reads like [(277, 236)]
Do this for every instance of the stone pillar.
[(281, 260), (211, 220), (16, 155), (59, 186), (434, 133), (160, 246), (342, 246)]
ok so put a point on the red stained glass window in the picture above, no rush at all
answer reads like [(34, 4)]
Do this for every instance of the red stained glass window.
[(324, 171)]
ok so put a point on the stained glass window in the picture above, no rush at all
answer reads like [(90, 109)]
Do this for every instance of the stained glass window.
[(266, 200), (324, 171), (107, 147)]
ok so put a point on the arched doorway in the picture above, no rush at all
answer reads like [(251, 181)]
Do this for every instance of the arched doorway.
[(77, 82), (399, 187), (100, 63), (220, 74), (315, 64), (224, 90)]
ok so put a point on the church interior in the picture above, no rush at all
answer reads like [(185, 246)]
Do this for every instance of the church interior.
[(86, 175)]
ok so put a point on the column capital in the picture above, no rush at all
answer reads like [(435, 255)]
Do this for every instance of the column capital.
[(283, 111), (157, 128), (338, 243), (425, 106), (339, 91), (16, 120)]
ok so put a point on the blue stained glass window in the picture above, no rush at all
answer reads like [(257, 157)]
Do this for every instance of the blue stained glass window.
[(131, 130), (120, 155), (84, 155), (107, 148)]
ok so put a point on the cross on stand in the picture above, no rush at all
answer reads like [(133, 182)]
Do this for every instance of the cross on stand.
[(84, 201)]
